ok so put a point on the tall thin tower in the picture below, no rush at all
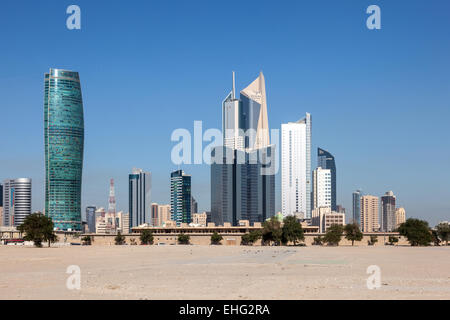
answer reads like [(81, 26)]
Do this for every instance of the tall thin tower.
[(111, 219)]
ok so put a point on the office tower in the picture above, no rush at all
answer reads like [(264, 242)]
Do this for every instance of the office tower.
[(64, 143), (340, 208), (164, 214), (90, 218), (388, 212), (139, 197), (356, 208), (194, 206), (155, 212), (296, 167), (180, 197), (16, 201), (243, 169), (369, 213), (321, 188), (111, 215), (208, 217), (100, 220), (119, 221), (125, 227), (325, 160), (400, 217)]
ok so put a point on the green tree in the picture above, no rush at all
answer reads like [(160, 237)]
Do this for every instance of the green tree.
[(38, 228), (249, 239), (435, 238), (334, 234), (216, 238), (393, 240), (86, 240), (318, 241), (443, 231), (119, 239), (292, 230), (353, 233), (272, 231), (372, 241), (183, 239), (146, 237), (416, 231)]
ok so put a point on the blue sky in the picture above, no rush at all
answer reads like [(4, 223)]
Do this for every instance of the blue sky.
[(380, 99)]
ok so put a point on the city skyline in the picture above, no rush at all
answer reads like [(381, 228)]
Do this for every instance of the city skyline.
[(370, 154)]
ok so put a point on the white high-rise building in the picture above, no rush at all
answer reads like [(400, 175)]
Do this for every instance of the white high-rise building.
[(321, 188), (16, 201), (296, 167)]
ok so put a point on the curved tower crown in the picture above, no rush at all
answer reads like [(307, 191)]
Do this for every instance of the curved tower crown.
[(64, 146), (255, 112)]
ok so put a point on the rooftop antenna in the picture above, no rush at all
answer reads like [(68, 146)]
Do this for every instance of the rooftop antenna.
[(233, 95)]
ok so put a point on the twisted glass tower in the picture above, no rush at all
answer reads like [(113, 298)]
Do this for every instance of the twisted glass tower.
[(64, 144)]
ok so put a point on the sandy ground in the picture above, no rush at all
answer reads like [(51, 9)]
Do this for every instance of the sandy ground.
[(218, 272)]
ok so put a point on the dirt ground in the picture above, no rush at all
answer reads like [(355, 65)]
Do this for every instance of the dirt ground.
[(224, 272)]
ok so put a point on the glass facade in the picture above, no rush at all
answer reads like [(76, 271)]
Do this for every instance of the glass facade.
[(356, 212), (139, 197), (180, 197), (64, 147), (326, 161)]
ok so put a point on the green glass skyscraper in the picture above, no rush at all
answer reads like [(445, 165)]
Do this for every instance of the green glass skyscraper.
[(64, 144)]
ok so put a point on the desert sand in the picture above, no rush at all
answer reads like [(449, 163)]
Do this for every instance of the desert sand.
[(224, 272)]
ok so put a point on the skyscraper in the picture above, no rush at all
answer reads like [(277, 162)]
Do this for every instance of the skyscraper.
[(64, 145), (90, 218), (155, 213), (180, 197), (321, 188), (139, 191), (296, 167), (369, 213), (16, 201), (400, 216), (326, 161), (388, 220), (194, 206), (243, 169), (356, 208)]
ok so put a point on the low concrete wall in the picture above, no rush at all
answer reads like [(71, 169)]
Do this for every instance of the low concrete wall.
[(228, 239)]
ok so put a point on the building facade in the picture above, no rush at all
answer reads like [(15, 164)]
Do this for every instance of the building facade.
[(199, 219), (90, 218), (324, 218), (155, 214), (16, 201), (356, 208), (369, 213), (296, 181), (180, 197), (139, 192), (400, 217), (243, 168), (388, 220), (64, 147), (325, 160), (164, 214), (321, 188)]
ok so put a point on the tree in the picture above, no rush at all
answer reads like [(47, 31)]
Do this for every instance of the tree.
[(416, 231), (38, 228), (292, 230), (372, 241), (272, 231), (216, 238), (393, 240), (435, 238), (334, 234), (86, 240), (146, 237), (318, 241), (183, 239), (119, 239), (249, 239), (443, 231), (353, 233)]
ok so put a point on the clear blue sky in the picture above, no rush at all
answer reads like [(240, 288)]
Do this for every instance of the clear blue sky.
[(380, 100)]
